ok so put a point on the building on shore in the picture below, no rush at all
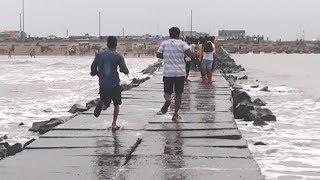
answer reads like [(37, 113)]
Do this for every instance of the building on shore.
[(9, 35)]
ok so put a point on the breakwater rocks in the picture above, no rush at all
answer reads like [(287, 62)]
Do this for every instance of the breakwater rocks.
[(250, 110), (8, 150), (225, 63), (243, 106), (290, 47)]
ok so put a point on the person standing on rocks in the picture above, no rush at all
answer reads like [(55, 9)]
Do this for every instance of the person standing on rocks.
[(173, 51), (105, 66)]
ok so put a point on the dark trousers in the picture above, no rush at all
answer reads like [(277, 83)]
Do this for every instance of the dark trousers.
[(188, 65)]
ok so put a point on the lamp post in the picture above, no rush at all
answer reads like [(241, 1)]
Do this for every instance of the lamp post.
[(23, 15), (191, 33), (99, 21)]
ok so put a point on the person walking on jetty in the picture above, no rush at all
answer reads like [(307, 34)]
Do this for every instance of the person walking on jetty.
[(105, 66), (199, 50), (188, 59), (208, 54), (173, 51)]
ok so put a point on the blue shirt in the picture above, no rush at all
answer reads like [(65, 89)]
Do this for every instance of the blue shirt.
[(105, 66)]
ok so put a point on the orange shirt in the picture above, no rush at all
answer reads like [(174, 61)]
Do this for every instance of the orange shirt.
[(200, 52)]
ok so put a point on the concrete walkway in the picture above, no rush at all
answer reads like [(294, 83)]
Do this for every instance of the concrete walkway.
[(204, 144)]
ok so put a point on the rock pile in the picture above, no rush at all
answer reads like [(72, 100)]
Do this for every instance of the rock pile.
[(9, 150), (243, 106), (225, 63), (245, 109)]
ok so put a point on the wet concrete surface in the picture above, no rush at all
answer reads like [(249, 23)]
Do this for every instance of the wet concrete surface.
[(204, 144)]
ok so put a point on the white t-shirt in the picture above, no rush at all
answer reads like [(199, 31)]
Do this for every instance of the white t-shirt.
[(193, 49), (173, 57), (209, 55)]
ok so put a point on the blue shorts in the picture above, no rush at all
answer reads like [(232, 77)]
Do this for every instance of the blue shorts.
[(207, 66)]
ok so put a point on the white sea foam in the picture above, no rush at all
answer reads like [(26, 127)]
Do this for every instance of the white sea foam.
[(293, 146)]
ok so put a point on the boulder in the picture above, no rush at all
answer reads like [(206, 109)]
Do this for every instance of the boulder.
[(239, 96), (36, 126), (152, 68), (50, 125), (125, 87), (254, 86), (3, 138), (265, 89), (48, 110), (12, 150), (242, 109), (28, 143), (3, 151), (45, 126), (137, 81), (243, 77), (231, 79), (92, 103), (21, 124), (266, 114), (77, 108), (259, 143), (260, 113), (259, 122), (259, 102)]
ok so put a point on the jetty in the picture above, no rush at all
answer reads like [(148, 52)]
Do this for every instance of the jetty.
[(204, 144)]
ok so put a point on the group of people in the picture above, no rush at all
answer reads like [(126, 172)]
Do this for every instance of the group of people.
[(11, 51), (178, 56), (205, 49)]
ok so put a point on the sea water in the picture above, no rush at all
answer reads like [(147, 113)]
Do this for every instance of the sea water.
[(37, 89), (293, 142)]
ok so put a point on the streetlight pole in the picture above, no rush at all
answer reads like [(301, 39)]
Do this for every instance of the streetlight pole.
[(20, 19), (23, 15), (191, 23), (99, 21)]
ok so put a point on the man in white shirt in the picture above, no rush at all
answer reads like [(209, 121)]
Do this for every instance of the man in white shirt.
[(208, 54), (187, 59), (173, 51)]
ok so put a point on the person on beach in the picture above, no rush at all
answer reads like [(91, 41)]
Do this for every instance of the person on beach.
[(105, 66), (9, 53), (33, 53), (208, 54), (173, 51)]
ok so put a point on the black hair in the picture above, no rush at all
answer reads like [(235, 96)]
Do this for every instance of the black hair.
[(202, 40), (112, 42), (174, 32)]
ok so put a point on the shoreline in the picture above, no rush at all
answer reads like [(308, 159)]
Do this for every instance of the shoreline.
[(132, 47)]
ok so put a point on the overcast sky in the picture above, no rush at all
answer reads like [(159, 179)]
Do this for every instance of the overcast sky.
[(272, 18)]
